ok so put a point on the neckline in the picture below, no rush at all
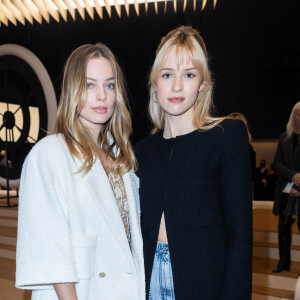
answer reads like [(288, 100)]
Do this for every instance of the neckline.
[(182, 136)]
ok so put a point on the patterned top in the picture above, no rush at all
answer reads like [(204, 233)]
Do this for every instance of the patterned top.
[(118, 188)]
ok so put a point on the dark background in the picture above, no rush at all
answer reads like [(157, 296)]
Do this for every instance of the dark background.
[(254, 48)]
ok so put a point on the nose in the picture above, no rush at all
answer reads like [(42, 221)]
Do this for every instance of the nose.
[(101, 95), (177, 84)]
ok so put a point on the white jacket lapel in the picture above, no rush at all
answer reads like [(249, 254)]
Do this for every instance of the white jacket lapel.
[(103, 198), (134, 209)]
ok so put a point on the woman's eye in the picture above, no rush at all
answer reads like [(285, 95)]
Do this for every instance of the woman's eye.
[(166, 75), (189, 75), (89, 85), (110, 86)]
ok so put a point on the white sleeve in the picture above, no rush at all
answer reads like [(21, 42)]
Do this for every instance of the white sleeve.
[(44, 244)]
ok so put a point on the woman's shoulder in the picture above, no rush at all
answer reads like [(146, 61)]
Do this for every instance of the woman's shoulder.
[(232, 124), (52, 146), (235, 136), (232, 128), (285, 141), (228, 127), (149, 141), (283, 136)]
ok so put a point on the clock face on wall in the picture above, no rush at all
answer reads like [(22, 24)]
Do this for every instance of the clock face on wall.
[(23, 111)]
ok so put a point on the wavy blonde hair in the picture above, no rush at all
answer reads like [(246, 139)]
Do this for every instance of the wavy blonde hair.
[(290, 125), (114, 135), (184, 38)]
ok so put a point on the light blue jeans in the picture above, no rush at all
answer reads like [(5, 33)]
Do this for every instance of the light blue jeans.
[(161, 284)]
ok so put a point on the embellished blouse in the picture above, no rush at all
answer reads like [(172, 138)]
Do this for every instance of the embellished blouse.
[(118, 188)]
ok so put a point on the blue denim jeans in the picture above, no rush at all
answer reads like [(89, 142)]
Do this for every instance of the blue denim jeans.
[(161, 284)]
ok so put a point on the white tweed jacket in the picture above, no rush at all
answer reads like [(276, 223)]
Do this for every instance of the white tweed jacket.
[(70, 229)]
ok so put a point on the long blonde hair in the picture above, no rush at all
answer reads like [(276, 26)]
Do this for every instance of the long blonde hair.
[(114, 135), (188, 39), (290, 125)]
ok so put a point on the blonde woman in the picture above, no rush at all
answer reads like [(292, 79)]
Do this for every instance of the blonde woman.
[(79, 231), (287, 165), (195, 185)]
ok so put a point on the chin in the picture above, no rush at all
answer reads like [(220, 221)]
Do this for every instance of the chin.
[(179, 110), (176, 113), (103, 121)]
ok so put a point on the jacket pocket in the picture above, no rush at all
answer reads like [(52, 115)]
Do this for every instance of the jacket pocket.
[(84, 251)]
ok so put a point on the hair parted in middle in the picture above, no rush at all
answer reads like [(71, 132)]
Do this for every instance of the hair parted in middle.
[(186, 40), (114, 134)]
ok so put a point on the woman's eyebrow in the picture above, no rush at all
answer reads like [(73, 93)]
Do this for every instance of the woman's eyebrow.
[(189, 69), (92, 79), (95, 80), (167, 69)]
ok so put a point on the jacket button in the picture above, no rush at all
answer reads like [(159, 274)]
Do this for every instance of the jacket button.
[(102, 274)]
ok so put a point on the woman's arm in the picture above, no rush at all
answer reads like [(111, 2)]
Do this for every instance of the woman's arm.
[(65, 291), (279, 166), (235, 177), (44, 245)]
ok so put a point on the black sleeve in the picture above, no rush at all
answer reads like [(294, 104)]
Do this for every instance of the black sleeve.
[(237, 207), (279, 165)]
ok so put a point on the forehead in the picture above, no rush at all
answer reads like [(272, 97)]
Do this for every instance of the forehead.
[(99, 64), (177, 56)]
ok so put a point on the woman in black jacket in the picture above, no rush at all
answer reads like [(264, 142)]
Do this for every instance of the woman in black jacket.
[(287, 165), (195, 184)]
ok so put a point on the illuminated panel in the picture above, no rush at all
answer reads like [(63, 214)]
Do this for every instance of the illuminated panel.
[(14, 133), (19, 10), (34, 124)]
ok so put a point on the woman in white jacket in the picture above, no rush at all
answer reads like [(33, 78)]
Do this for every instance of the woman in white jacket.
[(79, 234)]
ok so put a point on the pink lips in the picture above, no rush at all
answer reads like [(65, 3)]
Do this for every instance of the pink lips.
[(100, 109), (176, 99)]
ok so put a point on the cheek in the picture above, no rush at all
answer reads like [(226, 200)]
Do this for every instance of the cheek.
[(194, 94), (112, 101), (161, 87), (195, 86), (83, 112), (111, 98), (91, 94), (85, 106), (193, 90)]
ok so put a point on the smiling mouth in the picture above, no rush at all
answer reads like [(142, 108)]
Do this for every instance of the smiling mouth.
[(100, 109), (176, 99)]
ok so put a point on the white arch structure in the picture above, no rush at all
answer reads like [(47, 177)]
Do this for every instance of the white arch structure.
[(46, 83)]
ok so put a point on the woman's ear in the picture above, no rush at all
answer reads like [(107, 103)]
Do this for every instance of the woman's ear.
[(202, 85)]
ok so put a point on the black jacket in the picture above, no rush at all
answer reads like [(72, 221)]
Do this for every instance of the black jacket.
[(286, 164), (202, 182)]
